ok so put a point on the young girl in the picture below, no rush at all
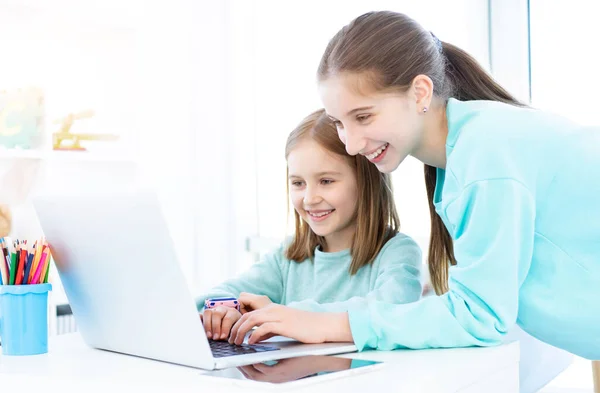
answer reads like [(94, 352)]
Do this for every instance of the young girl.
[(344, 253), (513, 194)]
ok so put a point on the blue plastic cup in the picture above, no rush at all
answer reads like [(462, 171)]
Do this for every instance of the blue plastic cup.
[(24, 319)]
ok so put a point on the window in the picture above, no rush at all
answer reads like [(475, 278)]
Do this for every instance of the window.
[(564, 62)]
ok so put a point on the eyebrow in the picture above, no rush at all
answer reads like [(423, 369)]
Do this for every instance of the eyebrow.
[(362, 108), (291, 175), (328, 173)]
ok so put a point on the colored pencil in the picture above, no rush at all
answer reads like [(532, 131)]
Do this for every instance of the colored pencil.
[(21, 259), (28, 266), (5, 263), (13, 267), (36, 260), (47, 269), (40, 267), (4, 268)]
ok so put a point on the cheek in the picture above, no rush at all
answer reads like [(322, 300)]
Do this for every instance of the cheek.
[(385, 131), (390, 127), (353, 204), (402, 126), (297, 199), (348, 198)]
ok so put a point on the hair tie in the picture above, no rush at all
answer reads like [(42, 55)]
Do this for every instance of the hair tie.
[(437, 42)]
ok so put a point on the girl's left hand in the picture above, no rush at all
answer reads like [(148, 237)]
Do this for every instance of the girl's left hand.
[(276, 320), (305, 326)]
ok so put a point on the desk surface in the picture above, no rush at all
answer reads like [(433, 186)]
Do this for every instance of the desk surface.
[(71, 365)]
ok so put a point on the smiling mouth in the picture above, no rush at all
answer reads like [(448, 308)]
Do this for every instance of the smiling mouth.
[(320, 215), (377, 152)]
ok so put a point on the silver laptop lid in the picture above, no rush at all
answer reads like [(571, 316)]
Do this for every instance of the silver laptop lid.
[(117, 263)]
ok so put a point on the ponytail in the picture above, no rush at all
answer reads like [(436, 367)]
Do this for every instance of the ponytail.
[(468, 81)]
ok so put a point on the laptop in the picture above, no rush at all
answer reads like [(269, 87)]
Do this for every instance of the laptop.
[(120, 273)]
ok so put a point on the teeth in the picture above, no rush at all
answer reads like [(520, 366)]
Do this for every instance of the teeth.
[(320, 214), (376, 153)]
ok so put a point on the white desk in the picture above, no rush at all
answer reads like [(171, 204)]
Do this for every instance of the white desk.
[(72, 366)]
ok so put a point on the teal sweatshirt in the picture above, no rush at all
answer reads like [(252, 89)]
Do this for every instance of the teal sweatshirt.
[(520, 196), (325, 283)]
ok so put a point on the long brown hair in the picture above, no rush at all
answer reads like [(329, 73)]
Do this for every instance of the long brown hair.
[(391, 49), (376, 217)]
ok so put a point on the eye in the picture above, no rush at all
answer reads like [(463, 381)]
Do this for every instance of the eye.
[(326, 182), (363, 118), (297, 183)]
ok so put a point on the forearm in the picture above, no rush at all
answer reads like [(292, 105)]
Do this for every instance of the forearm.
[(337, 327)]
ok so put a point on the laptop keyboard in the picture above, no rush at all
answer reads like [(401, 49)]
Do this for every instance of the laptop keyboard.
[(221, 349)]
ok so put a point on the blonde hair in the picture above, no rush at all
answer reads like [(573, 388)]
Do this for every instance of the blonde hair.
[(376, 217)]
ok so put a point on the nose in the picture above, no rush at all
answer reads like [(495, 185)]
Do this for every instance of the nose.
[(354, 142), (311, 197)]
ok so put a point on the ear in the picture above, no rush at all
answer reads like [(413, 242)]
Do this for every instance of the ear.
[(422, 91)]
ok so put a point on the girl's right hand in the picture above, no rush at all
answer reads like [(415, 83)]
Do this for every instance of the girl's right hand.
[(218, 321)]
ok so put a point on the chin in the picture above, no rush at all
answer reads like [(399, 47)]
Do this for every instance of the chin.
[(320, 232), (389, 164), (387, 167)]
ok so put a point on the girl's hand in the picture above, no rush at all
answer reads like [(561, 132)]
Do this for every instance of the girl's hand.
[(251, 302), (218, 321), (5, 221), (304, 326)]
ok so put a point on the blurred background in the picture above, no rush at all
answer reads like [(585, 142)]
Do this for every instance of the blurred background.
[(198, 97)]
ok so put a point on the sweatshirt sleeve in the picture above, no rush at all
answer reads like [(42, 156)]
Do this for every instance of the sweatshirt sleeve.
[(492, 224), (263, 278), (398, 279)]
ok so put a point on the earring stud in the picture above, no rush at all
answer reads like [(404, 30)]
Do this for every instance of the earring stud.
[(425, 110)]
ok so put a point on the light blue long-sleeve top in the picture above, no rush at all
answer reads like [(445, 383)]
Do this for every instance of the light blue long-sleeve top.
[(520, 196), (325, 284)]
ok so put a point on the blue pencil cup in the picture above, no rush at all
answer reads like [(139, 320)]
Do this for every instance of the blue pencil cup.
[(24, 319)]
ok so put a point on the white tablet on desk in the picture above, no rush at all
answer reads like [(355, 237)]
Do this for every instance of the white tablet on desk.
[(293, 372)]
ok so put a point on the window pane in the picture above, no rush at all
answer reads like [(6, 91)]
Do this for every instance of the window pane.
[(564, 60)]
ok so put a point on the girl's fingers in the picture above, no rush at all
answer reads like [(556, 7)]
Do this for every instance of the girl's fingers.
[(252, 319), (231, 317), (264, 332), (235, 328), (242, 330), (217, 318), (207, 322)]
